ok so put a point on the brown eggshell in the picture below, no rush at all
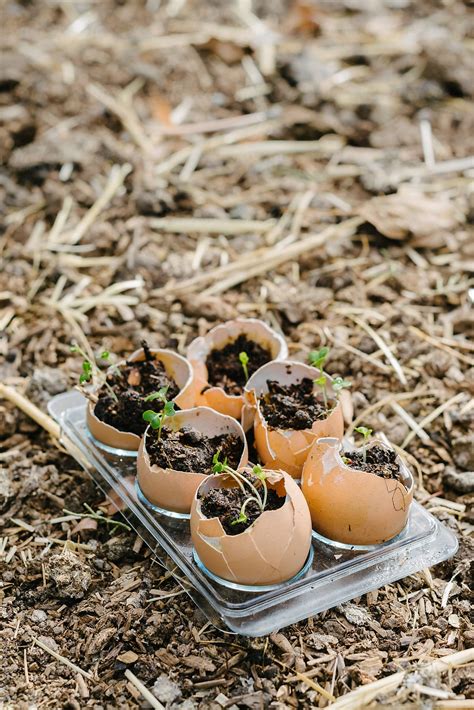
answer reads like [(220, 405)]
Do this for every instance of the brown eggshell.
[(176, 367), (270, 551), (351, 506), (217, 338), (287, 448), (174, 490)]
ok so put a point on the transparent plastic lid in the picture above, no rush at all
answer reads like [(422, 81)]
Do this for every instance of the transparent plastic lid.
[(333, 573)]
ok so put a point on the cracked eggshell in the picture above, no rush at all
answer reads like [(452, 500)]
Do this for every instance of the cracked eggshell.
[(176, 367), (218, 337), (272, 550), (175, 490), (351, 506), (287, 448)]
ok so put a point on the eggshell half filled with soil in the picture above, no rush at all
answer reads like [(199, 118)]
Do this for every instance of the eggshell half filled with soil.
[(176, 367), (216, 339), (287, 448), (353, 506), (175, 490), (271, 551)]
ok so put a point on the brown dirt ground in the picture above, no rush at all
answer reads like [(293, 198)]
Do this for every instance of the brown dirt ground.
[(89, 87)]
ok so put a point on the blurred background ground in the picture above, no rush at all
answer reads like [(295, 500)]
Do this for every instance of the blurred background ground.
[(323, 153)]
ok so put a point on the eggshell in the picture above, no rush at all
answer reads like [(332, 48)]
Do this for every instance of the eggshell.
[(352, 506), (287, 448), (176, 367), (217, 338), (272, 550), (174, 490)]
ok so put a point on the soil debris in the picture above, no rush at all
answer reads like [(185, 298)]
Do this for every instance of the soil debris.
[(190, 450), (224, 368)]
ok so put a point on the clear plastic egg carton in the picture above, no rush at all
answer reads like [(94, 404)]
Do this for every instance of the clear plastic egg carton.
[(334, 573)]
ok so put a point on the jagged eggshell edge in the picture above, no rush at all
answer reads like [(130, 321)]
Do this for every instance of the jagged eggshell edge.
[(353, 506), (174, 490), (271, 551), (217, 337)]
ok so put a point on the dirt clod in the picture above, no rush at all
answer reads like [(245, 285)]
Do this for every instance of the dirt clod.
[(292, 406)]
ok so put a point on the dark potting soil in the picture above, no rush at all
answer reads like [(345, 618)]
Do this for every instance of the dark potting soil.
[(226, 504), (292, 406), (380, 461), (190, 450), (131, 383), (224, 368)]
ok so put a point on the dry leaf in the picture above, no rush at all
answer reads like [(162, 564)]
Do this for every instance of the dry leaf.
[(410, 212), (85, 524)]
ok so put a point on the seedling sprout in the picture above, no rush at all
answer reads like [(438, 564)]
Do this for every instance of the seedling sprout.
[(90, 371), (245, 486), (244, 361), (321, 382), (317, 358), (366, 433), (157, 419)]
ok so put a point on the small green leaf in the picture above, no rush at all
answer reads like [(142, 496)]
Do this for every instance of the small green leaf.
[(259, 472), (317, 358), (244, 358), (244, 361), (339, 384), (104, 355), (159, 394), (321, 381), (218, 466), (366, 433), (153, 418), (73, 349), (241, 518), (168, 409)]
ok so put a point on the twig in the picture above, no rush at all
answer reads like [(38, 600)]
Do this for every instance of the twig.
[(278, 256), (383, 346), (126, 115), (115, 181), (442, 346), (408, 419), (62, 659), (154, 702), (386, 401), (360, 697), (325, 146), (431, 417), (183, 225), (45, 421)]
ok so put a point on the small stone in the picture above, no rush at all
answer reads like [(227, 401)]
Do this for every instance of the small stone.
[(71, 576), (460, 481), (38, 616), (165, 689), (355, 615), (127, 657)]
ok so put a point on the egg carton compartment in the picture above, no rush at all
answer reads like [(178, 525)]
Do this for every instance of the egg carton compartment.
[(334, 575)]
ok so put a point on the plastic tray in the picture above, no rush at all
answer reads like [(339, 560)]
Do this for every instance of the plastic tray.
[(336, 574)]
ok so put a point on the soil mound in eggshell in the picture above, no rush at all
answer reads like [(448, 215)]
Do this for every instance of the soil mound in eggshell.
[(294, 406), (224, 368), (379, 460), (226, 504), (132, 382), (190, 450)]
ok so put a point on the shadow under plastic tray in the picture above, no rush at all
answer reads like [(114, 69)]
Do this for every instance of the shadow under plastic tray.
[(335, 574)]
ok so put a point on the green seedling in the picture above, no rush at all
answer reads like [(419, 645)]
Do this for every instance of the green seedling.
[(339, 384), (157, 419), (321, 382), (244, 361), (98, 516), (317, 358), (366, 433), (246, 486), (90, 371)]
